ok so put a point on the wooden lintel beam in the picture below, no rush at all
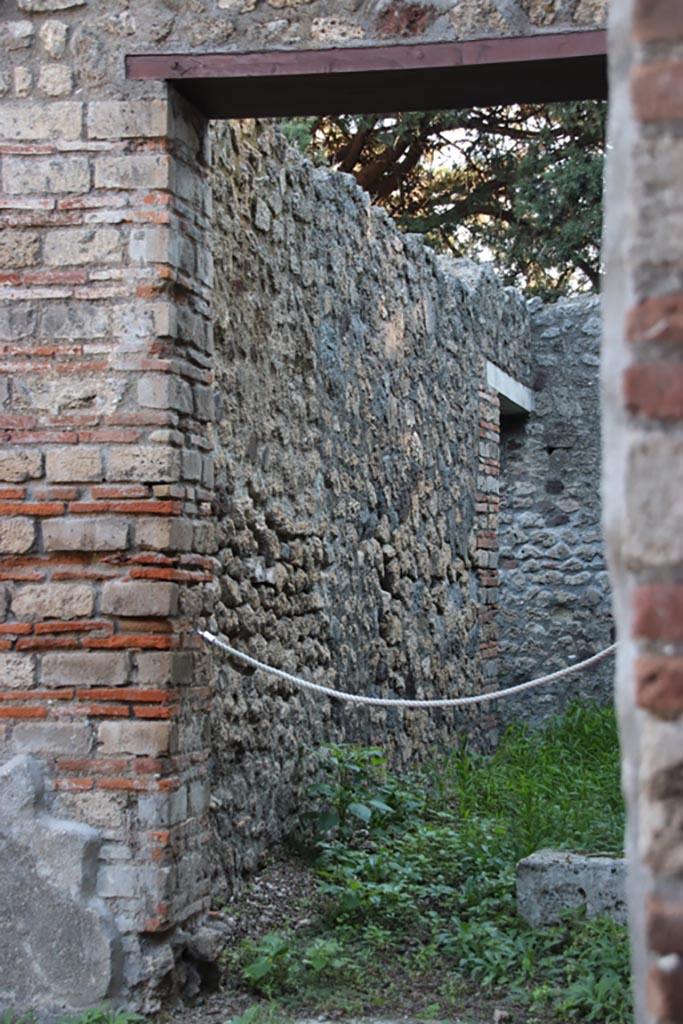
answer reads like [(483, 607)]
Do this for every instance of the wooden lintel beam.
[(478, 72)]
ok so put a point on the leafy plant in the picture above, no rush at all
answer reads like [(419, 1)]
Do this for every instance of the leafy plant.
[(417, 876), (105, 1014)]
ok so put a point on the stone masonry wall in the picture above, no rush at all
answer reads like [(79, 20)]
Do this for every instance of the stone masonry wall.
[(350, 363), (555, 599), (105, 475), (106, 513)]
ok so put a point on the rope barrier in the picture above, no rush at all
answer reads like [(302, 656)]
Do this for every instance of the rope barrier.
[(397, 702)]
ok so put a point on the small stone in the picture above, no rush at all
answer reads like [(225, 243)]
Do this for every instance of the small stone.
[(55, 79), (23, 81), (19, 34), (53, 35)]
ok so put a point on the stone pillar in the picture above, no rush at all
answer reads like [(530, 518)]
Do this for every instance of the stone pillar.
[(106, 487), (643, 473)]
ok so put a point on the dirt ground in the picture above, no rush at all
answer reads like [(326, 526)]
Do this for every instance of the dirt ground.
[(284, 895)]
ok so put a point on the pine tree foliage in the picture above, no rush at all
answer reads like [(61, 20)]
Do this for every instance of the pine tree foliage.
[(519, 185)]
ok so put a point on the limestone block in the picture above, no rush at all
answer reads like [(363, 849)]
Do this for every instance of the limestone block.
[(53, 601), (23, 81), (16, 535), (654, 500), (552, 881), (73, 464), (17, 671), (17, 465), (64, 173), (146, 171), (18, 248), (85, 668), (162, 534), (70, 950), (83, 534), (73, 247), (146, 463), (70, 739), (139, 598), (144, 739), (55, 79), (31, 122), (157, 668), (111, 119), (18, 34), (53, 36)]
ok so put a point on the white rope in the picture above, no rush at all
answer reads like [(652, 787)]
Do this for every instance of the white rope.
[(452, 702)]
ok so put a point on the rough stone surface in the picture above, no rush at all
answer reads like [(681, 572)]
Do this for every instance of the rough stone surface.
[(48, 909), (349, 362), (555, 597), (551, 882)]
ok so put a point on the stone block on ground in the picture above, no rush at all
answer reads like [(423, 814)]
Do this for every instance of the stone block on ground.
[(550, 882)]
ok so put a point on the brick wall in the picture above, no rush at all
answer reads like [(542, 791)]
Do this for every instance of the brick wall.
[(105, 479), (643, 476)]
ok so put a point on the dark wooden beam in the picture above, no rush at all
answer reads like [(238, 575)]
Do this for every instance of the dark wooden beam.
[(474, 73)]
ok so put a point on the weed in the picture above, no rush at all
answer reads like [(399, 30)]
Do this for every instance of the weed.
[(417, 876), (10, 1016), (105, 1014)]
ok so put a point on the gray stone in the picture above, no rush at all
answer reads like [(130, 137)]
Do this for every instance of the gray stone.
[(551, 882), (66, 936)]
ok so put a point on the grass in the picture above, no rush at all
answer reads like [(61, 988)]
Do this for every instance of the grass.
[(416, 877)]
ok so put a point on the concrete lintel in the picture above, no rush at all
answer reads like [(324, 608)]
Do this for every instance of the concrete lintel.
[(515, 398)]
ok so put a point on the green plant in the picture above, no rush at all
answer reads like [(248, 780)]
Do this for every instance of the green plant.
[(10, 1016), (417, 877), (105, 1014)]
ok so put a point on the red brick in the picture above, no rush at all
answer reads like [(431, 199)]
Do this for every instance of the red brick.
[(23, 575), (178, 575), (658, 612), (145, 711), (23, 712), (657, 319), (85, 626), (47, 508), (665, 994), (12, 493), (655, 390), (664, 923), (151, 641), (659, 684), (657, 91), (126, 694), (47, 643), (151, 765), (655, 20), (150, 508), (15, 628)]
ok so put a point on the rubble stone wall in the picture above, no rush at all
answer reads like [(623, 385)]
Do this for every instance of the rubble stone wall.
[(107, 528), (555, 598), (357, 530)]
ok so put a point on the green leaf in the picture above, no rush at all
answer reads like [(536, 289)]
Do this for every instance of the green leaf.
[(360, 811)]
